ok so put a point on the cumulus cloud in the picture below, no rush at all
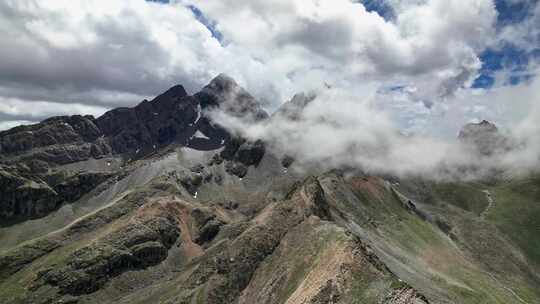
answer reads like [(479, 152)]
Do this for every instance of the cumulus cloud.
[(115, 53), (335, 128), (100, 53), (432, 43)]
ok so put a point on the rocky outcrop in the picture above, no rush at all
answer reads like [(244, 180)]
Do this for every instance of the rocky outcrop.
[(14, 260), (79, 184), (58, 140), (21, 196), (319, 262), (25, 195), (207, 225), (240, 154), (138, 245), (54, 131), (405, 295)]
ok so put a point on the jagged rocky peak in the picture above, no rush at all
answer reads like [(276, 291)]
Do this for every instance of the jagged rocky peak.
[(293, 108), (484, 136), (225, 93), (222, 82), (173, 116), (481, 128), (176, 91), (52, 131)]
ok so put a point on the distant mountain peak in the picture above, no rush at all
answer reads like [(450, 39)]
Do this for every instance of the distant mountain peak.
[(224, 92), (483, 136), (293, 108), (223, 86), (223, 80), (482, 128)]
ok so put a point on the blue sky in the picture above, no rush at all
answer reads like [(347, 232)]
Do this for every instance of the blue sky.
[(508, 56), (211, 25), (504, 57), (202, 18)]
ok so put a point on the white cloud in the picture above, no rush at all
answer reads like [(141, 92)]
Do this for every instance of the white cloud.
[(434, 44), (354, 133), (99, 48), (67, 51), (343, 128)]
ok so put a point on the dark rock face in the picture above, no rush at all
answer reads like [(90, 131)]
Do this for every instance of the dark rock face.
[(287, 161), (58, 140), (76, 186), (208, 226), (483, 137), (172, 117), (54, 131), (241, 154), (151, 123), (250, 153), (225, 93), (236, 169), (191, 182), (26, 195)]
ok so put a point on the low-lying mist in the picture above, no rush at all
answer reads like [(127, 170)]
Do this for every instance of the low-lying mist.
[(332, 128)]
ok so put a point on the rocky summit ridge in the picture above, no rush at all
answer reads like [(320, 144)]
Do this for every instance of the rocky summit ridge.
[(31, 155), (484, 137), (160, 204)]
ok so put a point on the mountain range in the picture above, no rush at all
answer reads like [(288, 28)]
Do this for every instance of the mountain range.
[(159, 203)]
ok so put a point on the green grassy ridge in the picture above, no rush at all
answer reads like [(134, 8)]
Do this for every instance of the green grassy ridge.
[(469, 197), (514, 216), (516, 213), (415, 237), (16, 288)]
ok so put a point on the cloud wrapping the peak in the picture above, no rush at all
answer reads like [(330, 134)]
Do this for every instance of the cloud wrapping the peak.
[(355, 134), (338, 128)]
